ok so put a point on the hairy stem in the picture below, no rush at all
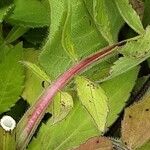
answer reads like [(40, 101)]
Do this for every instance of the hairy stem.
[(34, 115)]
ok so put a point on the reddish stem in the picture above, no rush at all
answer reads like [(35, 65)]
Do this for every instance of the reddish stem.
[(35, 114)]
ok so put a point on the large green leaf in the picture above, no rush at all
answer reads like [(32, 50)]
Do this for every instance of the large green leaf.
[(118, 91), (53, 55), (32, 13), (75, 129), (130, 15), (106, 18), (85, 36), (11, 76), (94, 100)]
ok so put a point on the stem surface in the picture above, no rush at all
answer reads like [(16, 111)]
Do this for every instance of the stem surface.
[(35, 114)]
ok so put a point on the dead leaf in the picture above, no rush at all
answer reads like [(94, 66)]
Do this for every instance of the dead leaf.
[(96, 143), (136, 123)]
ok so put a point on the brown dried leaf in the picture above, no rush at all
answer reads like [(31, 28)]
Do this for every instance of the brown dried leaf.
[(138, 6), (96, 143), (136, 123)]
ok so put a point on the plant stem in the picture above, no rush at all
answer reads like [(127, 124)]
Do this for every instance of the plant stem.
[(34, 115)]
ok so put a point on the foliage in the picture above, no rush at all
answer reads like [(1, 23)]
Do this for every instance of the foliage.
[(103, 46)]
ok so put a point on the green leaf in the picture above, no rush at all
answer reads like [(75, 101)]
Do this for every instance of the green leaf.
[(11, 76), (122, 65), (75, 129), (66, 35), (85, 36), (60, 107), (138, 48), (110, 18), (36, 81), (136, 123), (130, 15), (146, 18), (94, 100), (30, 13), (118, 91), (15, 33), (33, 84), (102, 20), (134, 51), (53, 52), (37, 71), (145, 146), (5, 7)]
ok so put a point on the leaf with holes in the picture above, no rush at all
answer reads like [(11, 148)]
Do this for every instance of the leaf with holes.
[(94, 100), (135, 52), (136, 123), (70, 132), (60, 107), (118, 92)]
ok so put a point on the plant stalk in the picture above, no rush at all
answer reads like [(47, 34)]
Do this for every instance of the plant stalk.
[(34, 115)]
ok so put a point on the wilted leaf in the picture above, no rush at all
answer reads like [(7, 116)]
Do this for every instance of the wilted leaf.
[(96, 143), (138, 6), (136, 123)]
